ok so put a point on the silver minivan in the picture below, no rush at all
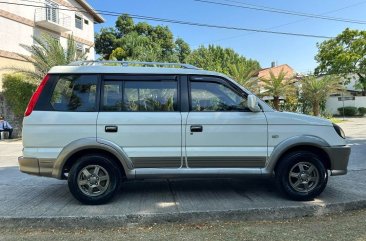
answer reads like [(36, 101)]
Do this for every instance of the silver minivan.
[(97, 123)]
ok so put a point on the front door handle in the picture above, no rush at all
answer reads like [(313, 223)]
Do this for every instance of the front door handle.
[(111, 128), (196, 128)]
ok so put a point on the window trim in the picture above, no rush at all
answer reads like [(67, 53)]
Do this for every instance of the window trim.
[(218, 80), (141, 77)]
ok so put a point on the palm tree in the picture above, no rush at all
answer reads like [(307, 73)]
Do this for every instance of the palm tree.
[(46, 53), (243, 75), (277, 86), (316, 90)]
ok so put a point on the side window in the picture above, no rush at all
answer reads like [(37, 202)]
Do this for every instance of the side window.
[(150, 96), (214, 96), (112, 96), (75, 93)]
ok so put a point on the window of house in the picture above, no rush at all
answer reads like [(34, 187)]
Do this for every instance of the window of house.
[(79, 49), (52, 11), (86, 21), (213, 96), (78, 22)]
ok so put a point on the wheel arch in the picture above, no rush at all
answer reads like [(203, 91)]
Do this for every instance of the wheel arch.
[(299, 143), (84, 146)]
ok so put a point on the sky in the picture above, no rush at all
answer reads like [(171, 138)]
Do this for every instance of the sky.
[(298, 52)]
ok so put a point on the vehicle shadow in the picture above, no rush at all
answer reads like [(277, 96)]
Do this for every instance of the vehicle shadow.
[(30, 196)]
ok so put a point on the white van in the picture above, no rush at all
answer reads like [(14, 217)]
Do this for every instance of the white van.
[(96, 123)]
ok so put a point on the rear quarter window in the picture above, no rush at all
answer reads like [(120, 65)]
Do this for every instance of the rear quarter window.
[(74, 93)]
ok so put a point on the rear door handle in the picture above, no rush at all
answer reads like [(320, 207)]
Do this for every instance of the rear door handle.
[(196, 128), (111, 128)]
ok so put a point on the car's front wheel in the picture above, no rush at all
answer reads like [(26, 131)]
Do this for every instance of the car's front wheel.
[(94, 179), (301, 175)]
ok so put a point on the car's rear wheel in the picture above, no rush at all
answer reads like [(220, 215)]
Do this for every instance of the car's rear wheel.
[(301, 175), (94, 179)]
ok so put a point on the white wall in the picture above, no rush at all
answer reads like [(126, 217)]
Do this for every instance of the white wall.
[(23, 11), (333, 103), (13, 33), (88, 29)]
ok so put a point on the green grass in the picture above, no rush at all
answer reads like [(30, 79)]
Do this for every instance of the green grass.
[(335, 120), (341, 226)]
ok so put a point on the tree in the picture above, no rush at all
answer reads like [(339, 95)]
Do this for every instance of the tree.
[(124, 24), (225, 60), (277, 86), (141, 41), (46, 53), (316, 90), (104, 42), (243, 75), (182, 49), (344, 55), (136, 47)]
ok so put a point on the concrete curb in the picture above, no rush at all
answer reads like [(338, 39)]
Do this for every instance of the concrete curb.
[(250, 214)]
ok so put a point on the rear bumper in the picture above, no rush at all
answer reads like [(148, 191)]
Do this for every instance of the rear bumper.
[(34, 166), (339, 157), (29, 165)]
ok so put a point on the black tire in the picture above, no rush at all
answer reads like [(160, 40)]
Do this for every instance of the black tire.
[(101, 186), (301, 175)]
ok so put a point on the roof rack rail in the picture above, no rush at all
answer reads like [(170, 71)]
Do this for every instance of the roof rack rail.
[(129, 63)]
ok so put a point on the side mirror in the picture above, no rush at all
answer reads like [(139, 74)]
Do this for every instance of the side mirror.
[(253, 103)]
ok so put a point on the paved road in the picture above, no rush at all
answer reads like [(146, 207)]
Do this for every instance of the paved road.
[(25, 196), (355, 130)]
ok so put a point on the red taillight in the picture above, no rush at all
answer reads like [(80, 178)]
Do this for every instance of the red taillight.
[(33, 101)]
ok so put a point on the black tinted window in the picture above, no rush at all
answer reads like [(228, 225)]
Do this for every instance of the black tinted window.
[(75, 93), (212, 96), (150, 96)]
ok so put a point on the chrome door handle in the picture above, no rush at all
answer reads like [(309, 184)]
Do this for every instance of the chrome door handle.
[(111, 128), (196, 128)]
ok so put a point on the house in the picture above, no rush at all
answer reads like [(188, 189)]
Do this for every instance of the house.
[(350, 95), (265, 73), (20, 20), (290, 74)]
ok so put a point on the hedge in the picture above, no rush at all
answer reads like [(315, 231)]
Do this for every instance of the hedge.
[(361, 111), (348, 111), (17, 92)]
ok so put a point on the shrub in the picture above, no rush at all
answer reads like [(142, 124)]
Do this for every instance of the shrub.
[(348, 111), (327, 114), (362, 111), (17, 92)]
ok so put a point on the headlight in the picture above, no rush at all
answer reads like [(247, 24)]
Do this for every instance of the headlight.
[(339, 131)]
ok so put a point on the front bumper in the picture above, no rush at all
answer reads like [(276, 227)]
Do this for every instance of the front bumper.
[(34, 166), (339, 156)]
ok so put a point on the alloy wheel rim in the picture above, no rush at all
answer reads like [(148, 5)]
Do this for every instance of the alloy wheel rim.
[(303, 177), (93, 180)]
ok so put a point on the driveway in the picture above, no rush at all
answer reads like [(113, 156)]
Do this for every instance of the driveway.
[(33, 200)]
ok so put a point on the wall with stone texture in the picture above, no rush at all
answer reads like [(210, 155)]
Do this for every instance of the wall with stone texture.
[(14, 121)]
